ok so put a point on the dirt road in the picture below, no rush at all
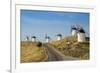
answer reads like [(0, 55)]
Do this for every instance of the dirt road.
[(55, 55)]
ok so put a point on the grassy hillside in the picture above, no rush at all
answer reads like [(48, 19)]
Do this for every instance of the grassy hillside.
[(70, 47), (32, 52)]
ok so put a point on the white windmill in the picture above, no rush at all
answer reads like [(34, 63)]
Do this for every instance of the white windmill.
[(27, 38), (33, 39), (81, 34), (47, 39), (73, 30), (59, 37)]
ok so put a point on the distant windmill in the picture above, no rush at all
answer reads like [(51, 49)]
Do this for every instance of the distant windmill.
[(33, 38), (81, 34), (59, 37), (27, 38), (47, 39)]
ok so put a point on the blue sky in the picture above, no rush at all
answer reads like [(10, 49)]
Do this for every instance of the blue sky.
[(38, 23)]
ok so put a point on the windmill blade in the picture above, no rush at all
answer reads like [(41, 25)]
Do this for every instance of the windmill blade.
[(46, 36), (71, 28), (78, 26)]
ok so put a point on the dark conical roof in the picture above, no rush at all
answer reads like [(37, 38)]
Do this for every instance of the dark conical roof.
[(33, 36), (59, 35), (73, 28), (81, 30)]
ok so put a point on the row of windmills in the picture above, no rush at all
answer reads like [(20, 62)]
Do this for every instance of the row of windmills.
[(47, 38), (33, 38), (75, 31)]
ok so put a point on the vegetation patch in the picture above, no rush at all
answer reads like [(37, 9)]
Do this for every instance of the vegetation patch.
[(70, 47), (32, 52)]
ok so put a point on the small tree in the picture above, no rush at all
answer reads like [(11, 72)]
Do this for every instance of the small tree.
[(39, 44)]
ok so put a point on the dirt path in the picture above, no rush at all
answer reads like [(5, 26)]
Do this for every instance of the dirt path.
[(55, 55)]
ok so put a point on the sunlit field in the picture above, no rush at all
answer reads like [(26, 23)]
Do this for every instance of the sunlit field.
[(32, 52), (70, 47)]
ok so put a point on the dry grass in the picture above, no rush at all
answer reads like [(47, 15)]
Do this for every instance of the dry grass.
[(74, 49), (30, 52)]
